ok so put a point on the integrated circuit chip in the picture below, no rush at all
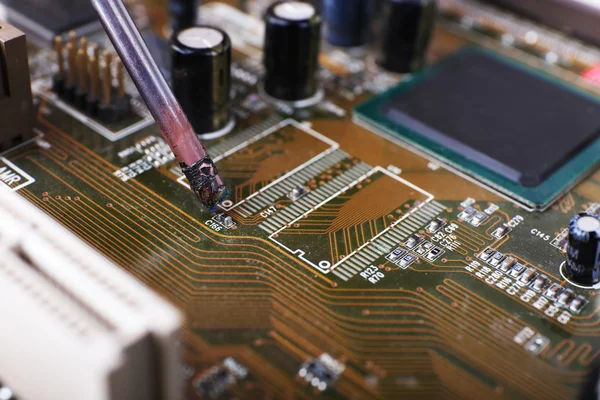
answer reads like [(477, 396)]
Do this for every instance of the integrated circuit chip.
[(41, 20), (515, 128)]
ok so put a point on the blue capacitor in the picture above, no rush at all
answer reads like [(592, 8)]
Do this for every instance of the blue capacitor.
[(347, 22)]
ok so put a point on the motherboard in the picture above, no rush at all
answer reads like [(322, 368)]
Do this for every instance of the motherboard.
[(396, 235)]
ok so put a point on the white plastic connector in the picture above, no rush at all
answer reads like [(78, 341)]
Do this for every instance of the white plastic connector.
[(73, 324)]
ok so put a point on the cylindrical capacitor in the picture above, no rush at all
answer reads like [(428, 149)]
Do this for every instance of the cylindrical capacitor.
[(291, 53), (408, 25), (347, 22), (583, 251), (183, 13), (201, 73)]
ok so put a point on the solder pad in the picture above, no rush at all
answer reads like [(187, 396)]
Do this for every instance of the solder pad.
[(520, 131)]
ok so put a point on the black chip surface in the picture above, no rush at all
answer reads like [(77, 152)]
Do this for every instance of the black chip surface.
[(45, 19), (519, 124)]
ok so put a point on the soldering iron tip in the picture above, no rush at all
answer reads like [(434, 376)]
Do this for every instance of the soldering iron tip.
[(205, 182)]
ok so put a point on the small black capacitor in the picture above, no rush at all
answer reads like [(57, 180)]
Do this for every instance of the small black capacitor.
[(408, 25), (183, 13), (201, 75), (347, 22), (291, 52), (583, 251)]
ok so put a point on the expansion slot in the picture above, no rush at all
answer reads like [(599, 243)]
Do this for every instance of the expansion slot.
[(74, 325)]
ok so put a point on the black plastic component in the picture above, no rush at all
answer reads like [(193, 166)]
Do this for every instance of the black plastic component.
[(183, 13), (583, 252), (347, 22), (484, 108), (291, 53), (201, 74), (91, 106), (69, 93), (590, 387), (214, 383), (110, 113), (408, 25), (58, 85), (80, 99)]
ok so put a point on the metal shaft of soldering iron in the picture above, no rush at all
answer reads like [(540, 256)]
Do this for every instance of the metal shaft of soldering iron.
[(164, 107)]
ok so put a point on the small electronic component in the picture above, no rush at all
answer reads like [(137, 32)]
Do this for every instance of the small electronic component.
[(16, 101), (224, 220), (424, 247), (436, 225), (583, 262), (396, 254), (297, 193), (540, 283), (578, 303), (501, 231), (291, 51), (406, 33), (496, 259), (565, 297), (321, 372), (516, 270), (487, 253), (473, 216), (43, 20), (467, 214), (347, 22), (406, 261), (529, 275), (413, 241), (507, 263), (554, 290), (84, 78), (401, 258), (561, 241), (201, 75), (215, 382), (434, 254), (419, 111), (478, 218)]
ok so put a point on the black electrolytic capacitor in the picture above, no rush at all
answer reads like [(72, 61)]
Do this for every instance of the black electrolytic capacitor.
[(347, 22), (408, 25), (291, 53), (583, 251), (183, 13), (201, 74)]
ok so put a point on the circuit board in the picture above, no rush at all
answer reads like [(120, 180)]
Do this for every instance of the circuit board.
[(341, 248)]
